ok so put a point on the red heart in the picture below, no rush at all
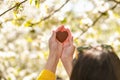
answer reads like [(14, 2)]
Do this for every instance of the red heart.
[(61, 36)]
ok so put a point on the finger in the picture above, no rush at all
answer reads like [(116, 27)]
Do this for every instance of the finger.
[(67, 43), (60, 28), (53, 35), (71, 40), (59, 42), (69, 33)]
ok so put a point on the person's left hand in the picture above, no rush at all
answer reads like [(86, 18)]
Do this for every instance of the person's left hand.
[(55, 46), (55, 52)]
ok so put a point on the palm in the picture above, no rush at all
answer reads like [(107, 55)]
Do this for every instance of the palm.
[(68, 50), (55, 46), (67, 55)]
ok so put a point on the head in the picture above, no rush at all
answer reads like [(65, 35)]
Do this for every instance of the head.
[(96, 63)]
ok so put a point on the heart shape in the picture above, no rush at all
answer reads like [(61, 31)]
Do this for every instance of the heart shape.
[(61, 36)]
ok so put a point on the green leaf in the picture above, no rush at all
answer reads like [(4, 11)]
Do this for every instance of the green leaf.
[(0, 25), (64, 21), (29, 39), (18, 21), (116, 15), (28, 24), (37, 3), (15, 14), (30, 1)]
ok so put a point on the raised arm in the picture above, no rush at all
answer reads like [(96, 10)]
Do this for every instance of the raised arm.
[(55, 48), (67, 55), (55, 51)]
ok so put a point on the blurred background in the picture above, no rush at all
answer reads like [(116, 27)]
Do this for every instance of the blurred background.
[(26, 25)]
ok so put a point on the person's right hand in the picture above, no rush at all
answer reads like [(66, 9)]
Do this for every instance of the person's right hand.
[(68, 50), (67, 54)]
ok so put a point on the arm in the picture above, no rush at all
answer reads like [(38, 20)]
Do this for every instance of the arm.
[(67, 55), (55, 48)]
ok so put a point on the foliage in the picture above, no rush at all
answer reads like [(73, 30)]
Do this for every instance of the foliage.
[(25, 25)]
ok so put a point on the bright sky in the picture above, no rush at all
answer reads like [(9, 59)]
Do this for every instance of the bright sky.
[(79, 7)]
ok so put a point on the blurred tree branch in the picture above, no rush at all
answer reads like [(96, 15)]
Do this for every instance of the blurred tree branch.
[(52, 13), (44, 18), (12, 7), (98, 18), (56, 10), (118, 2)]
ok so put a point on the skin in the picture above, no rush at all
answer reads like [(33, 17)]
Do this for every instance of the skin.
[(55, 48), (60, 51), (67, 55)]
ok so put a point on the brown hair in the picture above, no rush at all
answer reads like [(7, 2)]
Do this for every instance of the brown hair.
[(96, 63)]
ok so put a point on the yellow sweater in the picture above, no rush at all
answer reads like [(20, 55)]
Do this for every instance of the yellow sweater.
[(46, 75)]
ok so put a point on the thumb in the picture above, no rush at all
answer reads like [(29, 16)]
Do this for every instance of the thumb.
[(71, 40), (53, 35)]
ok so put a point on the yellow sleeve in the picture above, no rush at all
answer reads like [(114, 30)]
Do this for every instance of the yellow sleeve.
[(46, 75)]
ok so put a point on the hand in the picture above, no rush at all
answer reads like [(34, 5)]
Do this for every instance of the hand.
[(67, 55), (68, 50), (55, 48)]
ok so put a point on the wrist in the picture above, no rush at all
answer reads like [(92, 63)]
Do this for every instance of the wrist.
[(54, 55), (52, 62), (67, 59), (53, 58), (67, 63)]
